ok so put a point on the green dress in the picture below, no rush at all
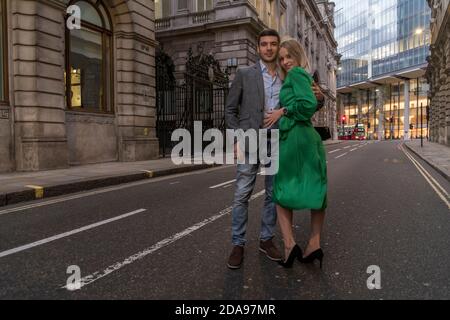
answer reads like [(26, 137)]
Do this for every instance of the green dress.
[(301, 181)]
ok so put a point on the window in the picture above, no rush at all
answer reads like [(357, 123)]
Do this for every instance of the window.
[(3, 46), (163, 9), (89, 56), (203, 5), (182, 5)]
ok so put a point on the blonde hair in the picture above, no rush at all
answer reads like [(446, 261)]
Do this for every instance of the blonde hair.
[(295, 49)]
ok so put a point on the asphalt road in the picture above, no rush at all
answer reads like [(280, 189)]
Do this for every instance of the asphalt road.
[(169, 238)]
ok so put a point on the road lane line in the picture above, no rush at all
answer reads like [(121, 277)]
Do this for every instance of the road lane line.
[(353, 149), (347, 147), (341, 155), (66, 234), (428, 180), (107, 189), (161, 244), (334, 151), (429, 176), (222, 184), (427, 173)]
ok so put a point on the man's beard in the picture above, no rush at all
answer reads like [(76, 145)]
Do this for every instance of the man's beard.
[(274, 59)]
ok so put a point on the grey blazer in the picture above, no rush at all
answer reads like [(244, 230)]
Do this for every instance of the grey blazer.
[(244, 108)]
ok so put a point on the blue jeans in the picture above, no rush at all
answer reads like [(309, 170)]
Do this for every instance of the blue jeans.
[(246, 178)]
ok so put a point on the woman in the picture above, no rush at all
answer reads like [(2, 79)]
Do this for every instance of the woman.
[(301, 182)]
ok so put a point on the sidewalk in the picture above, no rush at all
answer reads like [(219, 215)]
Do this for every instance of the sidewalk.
[(332, 142), (436, 155), (18, 187)]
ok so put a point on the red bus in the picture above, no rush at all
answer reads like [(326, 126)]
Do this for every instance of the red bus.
[(353, 132)]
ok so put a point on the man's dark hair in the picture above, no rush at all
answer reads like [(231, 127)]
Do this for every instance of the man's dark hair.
[(268, 33)]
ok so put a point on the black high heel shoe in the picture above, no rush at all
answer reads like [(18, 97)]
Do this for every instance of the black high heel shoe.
[(318, 254), (296, 252)]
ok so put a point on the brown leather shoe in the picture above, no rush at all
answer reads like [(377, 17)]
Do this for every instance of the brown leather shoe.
[(270, 250), (236, 257)]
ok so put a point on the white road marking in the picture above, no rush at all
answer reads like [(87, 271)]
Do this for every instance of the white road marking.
[(106, 190), (176, 182), (334, 151), (222, 184), (341, 155), (353, 149), (228, 183), (161, 244), (66, 234), (427, 173), (429, 179), (347, 147)]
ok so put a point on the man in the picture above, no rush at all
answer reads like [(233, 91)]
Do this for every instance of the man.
[(253, 96)]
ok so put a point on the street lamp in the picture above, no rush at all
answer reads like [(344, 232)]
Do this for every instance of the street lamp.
[(419, 32)]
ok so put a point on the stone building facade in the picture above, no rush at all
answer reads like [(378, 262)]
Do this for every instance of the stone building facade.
[(438, 72), (74, 96), (312, 24), (228, 30)]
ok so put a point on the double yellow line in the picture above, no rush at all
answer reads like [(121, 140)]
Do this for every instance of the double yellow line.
[(441, 192)]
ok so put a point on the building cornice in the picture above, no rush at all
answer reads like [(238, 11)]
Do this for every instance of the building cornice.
[(57, 4), (186, 30), (324, 28), (444, 27), (135, 36)]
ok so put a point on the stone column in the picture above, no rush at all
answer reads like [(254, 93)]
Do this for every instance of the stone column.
[(360, 99), (446, 104), (136, 98), (442, 95), (380, 105), (38, 87), (406, 137)]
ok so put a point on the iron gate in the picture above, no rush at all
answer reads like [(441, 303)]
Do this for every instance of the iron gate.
[(200, 97)]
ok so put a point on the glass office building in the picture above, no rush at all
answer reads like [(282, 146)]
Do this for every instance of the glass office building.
[(384, 45)]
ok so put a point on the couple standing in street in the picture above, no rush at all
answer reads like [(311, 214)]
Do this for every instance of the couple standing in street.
[(279, 93)]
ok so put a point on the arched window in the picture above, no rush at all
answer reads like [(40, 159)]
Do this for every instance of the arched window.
[(3, 51), (89, 60)]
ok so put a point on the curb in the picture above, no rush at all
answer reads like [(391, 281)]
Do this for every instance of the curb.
[(332, 143), (431, 164), (74, 187)]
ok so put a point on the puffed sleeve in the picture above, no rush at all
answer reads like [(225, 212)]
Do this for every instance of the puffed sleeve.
[(302, 103)]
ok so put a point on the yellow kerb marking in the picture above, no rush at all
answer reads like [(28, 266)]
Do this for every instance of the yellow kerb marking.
[(149, 173), (38, 191)]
